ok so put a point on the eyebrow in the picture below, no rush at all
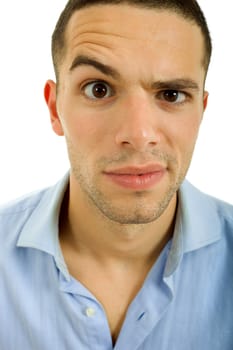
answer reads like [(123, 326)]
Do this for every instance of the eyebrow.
[(82, 60), (176, 84)]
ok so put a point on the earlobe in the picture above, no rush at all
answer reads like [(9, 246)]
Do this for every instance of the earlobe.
[(50, 96)]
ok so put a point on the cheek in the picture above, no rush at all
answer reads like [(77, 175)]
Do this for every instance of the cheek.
[(184, 135), (87, 133)]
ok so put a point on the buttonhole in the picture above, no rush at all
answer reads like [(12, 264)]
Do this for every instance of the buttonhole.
[(141, 316)]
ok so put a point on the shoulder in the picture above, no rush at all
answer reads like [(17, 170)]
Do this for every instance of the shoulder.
[(34, 210), (224, 214), (209, 209), (31, 201), (15, 214), (22, 204), (220, 206)]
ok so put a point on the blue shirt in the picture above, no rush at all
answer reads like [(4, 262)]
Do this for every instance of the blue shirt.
[(186, 302)]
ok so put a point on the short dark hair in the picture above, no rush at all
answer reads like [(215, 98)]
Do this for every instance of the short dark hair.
[(188, 9)]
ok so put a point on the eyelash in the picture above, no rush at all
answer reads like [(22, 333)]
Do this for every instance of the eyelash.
[(160, 94)]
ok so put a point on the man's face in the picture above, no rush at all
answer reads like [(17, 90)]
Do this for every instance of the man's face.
[(130, 104)]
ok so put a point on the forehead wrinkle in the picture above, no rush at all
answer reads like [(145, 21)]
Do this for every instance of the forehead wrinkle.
[(93, 41), (89, 25), (97, 38), (100, 27)]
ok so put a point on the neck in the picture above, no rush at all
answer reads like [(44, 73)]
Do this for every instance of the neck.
[(107, 241)]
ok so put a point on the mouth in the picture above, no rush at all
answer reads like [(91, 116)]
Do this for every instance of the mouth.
[(137, 178)]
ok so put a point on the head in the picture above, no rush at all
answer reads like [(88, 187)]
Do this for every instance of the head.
[(129, 100)]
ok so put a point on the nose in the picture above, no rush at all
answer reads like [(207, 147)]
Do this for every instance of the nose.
[(139, 127)]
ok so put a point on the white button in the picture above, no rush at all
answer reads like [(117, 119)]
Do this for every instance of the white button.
[(90, 312)]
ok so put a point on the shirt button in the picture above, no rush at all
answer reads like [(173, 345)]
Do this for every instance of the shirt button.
[(90, 312)]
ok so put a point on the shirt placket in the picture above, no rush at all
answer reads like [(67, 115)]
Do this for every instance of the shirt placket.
[(86, 311)]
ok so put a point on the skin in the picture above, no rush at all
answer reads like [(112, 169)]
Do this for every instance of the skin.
[(137, 122)]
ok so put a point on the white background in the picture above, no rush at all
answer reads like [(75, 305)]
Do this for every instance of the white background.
[(32, 156)]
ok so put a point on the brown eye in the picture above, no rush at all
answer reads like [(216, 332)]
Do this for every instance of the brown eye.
[(172, 96), (97, 90)]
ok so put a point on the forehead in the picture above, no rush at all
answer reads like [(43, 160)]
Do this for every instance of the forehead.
[(126, 31)]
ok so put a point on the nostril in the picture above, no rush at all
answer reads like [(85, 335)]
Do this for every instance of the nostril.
[(137, 136)]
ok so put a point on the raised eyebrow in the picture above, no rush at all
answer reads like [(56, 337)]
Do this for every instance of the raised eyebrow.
[(176, 84), (83, 60)]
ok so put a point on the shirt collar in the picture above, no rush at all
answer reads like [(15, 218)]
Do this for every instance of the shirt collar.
[(197, 225), (41, 229)]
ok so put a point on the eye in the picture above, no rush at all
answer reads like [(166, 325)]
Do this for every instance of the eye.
[(97, 90), (173, 96)]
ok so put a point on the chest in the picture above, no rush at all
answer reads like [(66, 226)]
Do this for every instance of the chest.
[(115, 296)]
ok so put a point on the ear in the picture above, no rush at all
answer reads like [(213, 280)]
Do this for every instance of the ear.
[(205, 99), (50, 95)]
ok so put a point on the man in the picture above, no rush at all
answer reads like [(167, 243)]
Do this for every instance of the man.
[(123, 252)]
